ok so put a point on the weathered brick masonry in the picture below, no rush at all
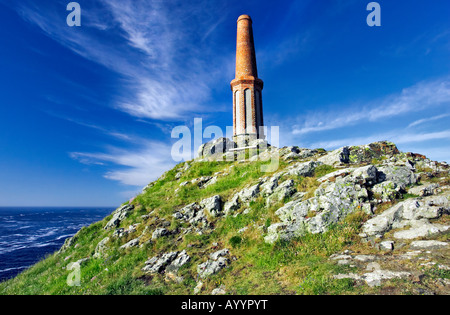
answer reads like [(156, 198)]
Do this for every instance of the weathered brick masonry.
[(246, 86)]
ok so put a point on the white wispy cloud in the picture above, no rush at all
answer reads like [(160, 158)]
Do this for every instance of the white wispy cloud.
[(158, 48), (131, 167), (425, 120), (419, 97)]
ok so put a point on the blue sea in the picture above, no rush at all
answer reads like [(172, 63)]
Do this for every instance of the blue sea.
[(29, 234)]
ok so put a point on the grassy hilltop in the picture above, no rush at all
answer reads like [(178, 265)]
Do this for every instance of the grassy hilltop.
[(314, 225)]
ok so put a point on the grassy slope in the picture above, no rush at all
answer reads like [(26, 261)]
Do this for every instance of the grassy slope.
[(297, 267)]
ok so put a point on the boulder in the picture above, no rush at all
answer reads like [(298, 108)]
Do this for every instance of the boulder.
[(218, 260), (338, 156), (159, 232), (424, 190), (158, 264), (400, 175), (284, 190), (375, 150), (232, 205), (303, 169), (412, 212), (118, 215), (212, 205), (215, 147), (132, 243), (101, 248), (181, 259)]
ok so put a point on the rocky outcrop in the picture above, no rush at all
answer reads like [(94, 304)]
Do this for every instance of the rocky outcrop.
[(118, 215), (215, 147), (414, 213), (170, 262), (332, 202), (216, 262)]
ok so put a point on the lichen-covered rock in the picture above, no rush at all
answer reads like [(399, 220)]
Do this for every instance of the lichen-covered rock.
[(247, 194), (424, 190), (132, 243), (159, 232), (232, 205), (400, 175), (158, 264), (215, 147), (118, 215), (217, 262), (284, 190), (337, 156), (101, 248), (411, 212), (213, 205), (375, 150), (181, 259), (387, 191), (268, 187), (332, 202), (303, 169)]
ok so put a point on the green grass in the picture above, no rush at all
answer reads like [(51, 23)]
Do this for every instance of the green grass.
[(300, 266)]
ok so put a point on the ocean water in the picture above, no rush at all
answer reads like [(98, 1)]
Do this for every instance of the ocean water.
[(29, 234)]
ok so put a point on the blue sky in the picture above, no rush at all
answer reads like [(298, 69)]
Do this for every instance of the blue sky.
[(86, 112)]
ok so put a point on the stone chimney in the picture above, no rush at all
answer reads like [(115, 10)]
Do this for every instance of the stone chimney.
[(246, 87)]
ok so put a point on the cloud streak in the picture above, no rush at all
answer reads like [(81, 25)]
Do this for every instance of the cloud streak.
[(159, 49), (417, 98), (134, 168)]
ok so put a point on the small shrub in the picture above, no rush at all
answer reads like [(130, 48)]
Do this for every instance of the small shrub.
[(235, 241)]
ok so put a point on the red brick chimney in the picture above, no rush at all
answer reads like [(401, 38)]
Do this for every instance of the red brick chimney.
[(246, 87)]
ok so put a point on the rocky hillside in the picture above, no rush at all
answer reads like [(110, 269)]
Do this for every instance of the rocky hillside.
[(358, 220)]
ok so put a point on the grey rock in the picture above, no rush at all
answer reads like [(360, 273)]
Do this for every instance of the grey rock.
[(303, 169), (338, 156), (101, 248), (215, 147), (375, 277), (219, 291), (247, 194), (387, 190), (159, 232), (412, 212), (158, 264), (366, 175), (400, 175), (333, 201), (181, 259), (211, 267), (420, 228), (192, 213), (424, 190), (285, 189), (268, 187), (219, 253), (217, 261), (232, 205), (132, 243), (213, 205), (387, 245), (428, 244), (118, 215), (364, 258)]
